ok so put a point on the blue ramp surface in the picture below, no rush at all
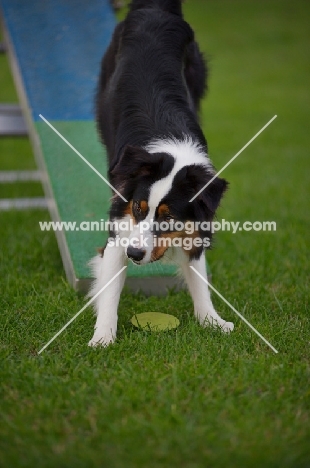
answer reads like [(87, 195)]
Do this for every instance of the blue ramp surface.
[(58, 46)]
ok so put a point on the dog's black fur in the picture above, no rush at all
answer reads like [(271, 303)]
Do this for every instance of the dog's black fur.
[(152, 79)]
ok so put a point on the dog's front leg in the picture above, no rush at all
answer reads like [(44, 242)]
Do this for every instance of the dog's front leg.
[(106, 303), (204, 310)]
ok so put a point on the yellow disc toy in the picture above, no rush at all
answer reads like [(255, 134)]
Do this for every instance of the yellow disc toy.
[(155, 321)]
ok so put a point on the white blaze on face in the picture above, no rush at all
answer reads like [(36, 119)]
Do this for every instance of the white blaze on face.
[(185, 153)]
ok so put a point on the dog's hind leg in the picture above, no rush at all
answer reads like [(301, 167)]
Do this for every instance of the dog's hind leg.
[(106, 304), (195, 73), (203, 307)]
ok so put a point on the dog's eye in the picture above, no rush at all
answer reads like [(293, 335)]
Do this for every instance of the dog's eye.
[(137, 207), (168, 217)]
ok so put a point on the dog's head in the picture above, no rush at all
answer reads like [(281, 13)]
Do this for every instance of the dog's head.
[(158, 188)]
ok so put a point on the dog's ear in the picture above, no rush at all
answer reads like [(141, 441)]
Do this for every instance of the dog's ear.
[(197, 177), (137, 162), (212, 194), (132, 162)]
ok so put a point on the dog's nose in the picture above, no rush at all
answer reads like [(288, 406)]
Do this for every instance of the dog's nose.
[(135, 254)]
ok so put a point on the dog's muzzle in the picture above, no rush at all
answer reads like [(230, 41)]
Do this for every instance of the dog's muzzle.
[(136, 255)]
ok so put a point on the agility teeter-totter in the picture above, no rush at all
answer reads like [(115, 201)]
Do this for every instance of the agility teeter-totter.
[(55, 48)]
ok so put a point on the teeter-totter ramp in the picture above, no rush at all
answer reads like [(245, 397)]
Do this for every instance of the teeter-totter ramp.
[(55, 48)]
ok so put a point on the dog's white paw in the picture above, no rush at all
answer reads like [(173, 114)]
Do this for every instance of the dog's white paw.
[(227, 327), (101, 340)]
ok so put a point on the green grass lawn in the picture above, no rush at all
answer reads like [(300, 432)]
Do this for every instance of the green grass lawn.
[(191, 397)]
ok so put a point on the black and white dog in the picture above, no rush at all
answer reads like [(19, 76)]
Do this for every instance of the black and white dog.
[(152, 79)]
